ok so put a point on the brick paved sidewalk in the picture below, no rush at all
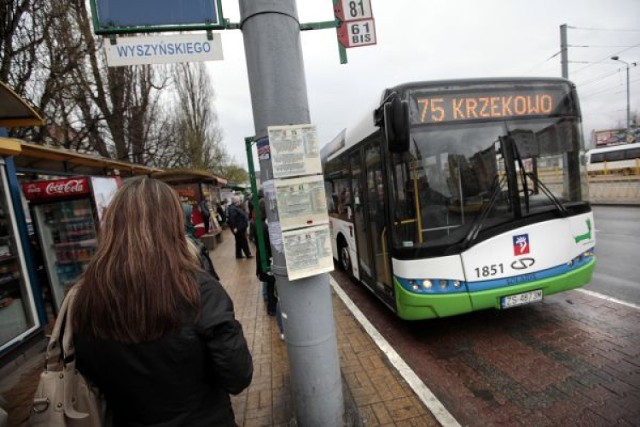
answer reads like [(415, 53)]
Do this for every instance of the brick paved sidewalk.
[(381, 397)]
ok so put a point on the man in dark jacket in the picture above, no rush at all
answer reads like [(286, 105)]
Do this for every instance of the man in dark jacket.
[(264, 275), (206, 215), (238, 221)]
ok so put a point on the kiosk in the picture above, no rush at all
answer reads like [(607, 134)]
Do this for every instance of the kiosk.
[(200, 189)]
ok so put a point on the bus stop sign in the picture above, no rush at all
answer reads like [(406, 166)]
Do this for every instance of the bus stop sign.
[(357, 26), (144, 16)]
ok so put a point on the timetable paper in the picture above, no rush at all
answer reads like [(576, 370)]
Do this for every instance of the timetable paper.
[(294, 150), (308, 251)]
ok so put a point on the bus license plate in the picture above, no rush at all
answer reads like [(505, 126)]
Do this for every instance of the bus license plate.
[(521, 299)]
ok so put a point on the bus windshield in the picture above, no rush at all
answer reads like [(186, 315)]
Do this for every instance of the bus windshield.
[(459, 180)]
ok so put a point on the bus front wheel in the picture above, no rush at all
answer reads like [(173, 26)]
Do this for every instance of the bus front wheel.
[(345, 258)]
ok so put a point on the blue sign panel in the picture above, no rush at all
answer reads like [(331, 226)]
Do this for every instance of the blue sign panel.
[(153, 13)]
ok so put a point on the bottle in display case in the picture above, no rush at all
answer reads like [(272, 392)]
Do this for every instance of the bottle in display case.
[(66, 217)]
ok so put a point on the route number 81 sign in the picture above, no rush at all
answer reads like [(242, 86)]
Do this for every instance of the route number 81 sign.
[(355, 9), (357, 24)]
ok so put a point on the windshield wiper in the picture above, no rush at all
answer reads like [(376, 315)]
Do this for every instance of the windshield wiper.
[(495, 190), (563, 211), (523, 175)]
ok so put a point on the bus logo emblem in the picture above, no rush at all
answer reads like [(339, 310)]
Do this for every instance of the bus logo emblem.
[(523, 263), (521, 244)]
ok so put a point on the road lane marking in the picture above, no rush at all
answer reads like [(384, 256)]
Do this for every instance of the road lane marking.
[(604, 297), (422, 391)]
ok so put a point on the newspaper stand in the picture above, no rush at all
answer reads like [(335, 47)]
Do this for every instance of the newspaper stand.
[(198, 188)]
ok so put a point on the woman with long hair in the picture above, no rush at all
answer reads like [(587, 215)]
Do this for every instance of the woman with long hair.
[(154, 332)]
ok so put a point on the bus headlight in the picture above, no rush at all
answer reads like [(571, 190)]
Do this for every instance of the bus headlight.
[(431, 286), (581, 259)]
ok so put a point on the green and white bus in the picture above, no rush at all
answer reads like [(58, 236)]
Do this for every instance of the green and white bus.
[(463, 195)]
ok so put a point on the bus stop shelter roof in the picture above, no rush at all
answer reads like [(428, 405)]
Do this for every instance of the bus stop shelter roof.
[(14, 111), (34, 158), (188, 176)]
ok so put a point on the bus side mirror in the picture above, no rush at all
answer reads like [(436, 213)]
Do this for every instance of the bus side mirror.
[(396, 125)]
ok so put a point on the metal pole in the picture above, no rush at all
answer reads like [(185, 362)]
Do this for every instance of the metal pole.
[(271, 33), (563, 51), (628, 106), (617, 58)]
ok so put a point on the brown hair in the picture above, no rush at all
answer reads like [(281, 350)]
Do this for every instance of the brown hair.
[(142, 272)]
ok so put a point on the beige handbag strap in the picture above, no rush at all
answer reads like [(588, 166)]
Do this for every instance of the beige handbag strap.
[(54, 353), (67, 335)]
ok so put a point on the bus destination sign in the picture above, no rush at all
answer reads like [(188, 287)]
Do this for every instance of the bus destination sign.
[(451, 107)]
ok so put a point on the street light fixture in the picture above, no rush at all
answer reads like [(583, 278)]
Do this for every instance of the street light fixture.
[(617, 58)]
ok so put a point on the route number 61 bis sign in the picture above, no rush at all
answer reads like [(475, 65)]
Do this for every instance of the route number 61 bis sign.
[(358, 26)]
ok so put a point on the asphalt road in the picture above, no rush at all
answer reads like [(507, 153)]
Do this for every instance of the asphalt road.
[(571, 360), (617, 271)]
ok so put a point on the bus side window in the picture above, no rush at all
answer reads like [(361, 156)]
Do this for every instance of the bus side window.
[(328, 191)]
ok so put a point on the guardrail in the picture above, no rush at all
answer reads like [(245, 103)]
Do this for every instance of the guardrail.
[(615, 189)]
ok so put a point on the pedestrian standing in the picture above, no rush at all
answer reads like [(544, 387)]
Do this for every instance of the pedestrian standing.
[(238, 221), (222, 213), (264, 275), (206, 214), (153, 331), (197, 248)]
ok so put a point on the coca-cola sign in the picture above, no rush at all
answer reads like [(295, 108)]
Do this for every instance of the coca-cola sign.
[(61, 188)]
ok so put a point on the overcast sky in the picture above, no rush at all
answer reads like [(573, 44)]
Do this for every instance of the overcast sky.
[(444, 39)]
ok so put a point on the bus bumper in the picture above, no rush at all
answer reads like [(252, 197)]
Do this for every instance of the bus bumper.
[(412, 306), (417, 307), (573, 279)]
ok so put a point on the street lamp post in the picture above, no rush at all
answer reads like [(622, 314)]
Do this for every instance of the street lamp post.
[(616, 58)]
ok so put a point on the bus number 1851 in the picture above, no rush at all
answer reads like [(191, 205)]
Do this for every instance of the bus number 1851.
[(489, 270)]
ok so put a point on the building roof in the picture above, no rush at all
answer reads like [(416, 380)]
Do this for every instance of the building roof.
[(14, 111), (186, 176), (30, 157)]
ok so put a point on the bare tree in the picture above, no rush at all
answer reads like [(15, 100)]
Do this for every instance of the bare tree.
[(50, 56), (23, 24), (234, 173), (198, 136)]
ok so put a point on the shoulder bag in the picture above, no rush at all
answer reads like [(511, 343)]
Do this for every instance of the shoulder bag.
[(64, 397)]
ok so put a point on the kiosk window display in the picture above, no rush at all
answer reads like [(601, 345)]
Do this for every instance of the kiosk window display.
[(66, 214), (18, 314)]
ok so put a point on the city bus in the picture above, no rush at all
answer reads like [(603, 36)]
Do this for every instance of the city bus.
[(458, 196), (621, 159)]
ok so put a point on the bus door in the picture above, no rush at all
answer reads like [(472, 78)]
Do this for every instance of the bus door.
[(376, 231), (365, 269)]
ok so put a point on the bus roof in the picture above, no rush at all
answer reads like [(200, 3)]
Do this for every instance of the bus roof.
[(449, 84), (614, 148)]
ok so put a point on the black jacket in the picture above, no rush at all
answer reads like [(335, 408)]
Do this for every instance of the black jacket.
[(182, 379), (238, 218)]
